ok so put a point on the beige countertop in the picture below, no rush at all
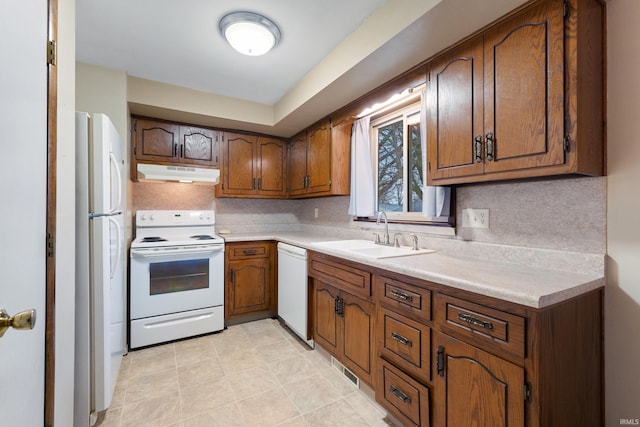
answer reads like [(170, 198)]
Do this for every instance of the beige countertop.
[(527, 285)]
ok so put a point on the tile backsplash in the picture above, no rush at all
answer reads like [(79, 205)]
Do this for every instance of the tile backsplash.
[(560, 215)]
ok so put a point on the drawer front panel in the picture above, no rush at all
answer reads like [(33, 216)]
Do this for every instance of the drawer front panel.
[(406, 343), (346, 277), (402, 396), (486, 327), (404, 298), (248, 250)]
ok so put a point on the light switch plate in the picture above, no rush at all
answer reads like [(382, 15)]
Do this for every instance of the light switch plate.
[(475, 218)]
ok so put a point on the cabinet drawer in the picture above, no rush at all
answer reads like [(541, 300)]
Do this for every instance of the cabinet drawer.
[(248, 250), (402, 297), (342, 275), (406, 343), (402, 396), (483, 326)]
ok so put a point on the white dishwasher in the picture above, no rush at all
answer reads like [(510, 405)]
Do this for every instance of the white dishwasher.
[(293, 289)]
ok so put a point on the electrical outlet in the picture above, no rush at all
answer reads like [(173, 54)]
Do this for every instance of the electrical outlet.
[(475, 218), (315, 212)]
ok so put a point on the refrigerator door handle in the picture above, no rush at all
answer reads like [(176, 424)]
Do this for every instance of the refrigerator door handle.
[(114, 265), (114, 162)]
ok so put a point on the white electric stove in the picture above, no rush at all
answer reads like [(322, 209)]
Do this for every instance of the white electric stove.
[(177, 276)]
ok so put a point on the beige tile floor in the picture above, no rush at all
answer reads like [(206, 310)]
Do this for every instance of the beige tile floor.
[(253, 374)]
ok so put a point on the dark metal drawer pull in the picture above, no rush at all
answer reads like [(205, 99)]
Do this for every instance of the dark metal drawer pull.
[(440, 361), (400, 395), (401, 339), (478, 148), (473, 321), (250, 251), (401, 295), (490, 146)]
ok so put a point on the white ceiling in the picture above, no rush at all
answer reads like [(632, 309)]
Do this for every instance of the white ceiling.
[(178, 41), (331, 52)]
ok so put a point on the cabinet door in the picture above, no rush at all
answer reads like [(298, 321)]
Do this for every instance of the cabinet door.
[(358, 341), (248, 286), (319, 159), (298, 165), (271, 170), (198, 146), (476, 388), (239, 165), (156, 141), (325, 322), (524, 90), (455, 113)]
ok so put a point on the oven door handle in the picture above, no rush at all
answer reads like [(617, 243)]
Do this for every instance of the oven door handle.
[(144, 253)]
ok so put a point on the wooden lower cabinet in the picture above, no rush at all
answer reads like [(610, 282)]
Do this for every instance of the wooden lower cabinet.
[(250, 287), (344, 326), (448, 358), (401, 395), (475, 388), (325, 321)]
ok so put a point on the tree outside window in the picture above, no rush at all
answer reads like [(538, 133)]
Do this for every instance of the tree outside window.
[(399, 161)]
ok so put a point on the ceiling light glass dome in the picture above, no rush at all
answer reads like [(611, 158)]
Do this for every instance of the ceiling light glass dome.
[(249, 33)]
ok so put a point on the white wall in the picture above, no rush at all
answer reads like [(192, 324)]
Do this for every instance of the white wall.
[(622, 296), (103, 90), (65, 221)]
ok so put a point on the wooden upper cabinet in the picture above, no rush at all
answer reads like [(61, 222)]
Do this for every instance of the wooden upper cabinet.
[(238, 170), (298, 165), (271, 163), (253, 167), (524, 90), (199, 145), (507, 104), (319, 160), (455, 113), (157, 141)]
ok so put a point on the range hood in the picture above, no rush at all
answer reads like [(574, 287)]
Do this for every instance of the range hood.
[(151, 172)]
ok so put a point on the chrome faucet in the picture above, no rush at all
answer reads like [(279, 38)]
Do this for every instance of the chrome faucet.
[(414, 238), (386, 226)]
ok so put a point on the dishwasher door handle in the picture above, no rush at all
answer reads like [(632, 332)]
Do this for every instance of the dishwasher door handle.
[(292, 251), (291, 254)]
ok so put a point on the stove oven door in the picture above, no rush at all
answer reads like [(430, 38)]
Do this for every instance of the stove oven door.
[(166, 281)]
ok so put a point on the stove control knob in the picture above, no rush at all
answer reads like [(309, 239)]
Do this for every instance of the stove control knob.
[(143, 217), (151, 217)]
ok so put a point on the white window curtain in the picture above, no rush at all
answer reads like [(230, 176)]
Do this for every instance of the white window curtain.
[(436, 201), (362, 198)]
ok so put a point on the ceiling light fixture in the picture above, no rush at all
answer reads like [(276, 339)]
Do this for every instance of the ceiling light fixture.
[(249, 33)]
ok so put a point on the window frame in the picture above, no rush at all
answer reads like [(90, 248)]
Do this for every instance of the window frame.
[(408, 107)]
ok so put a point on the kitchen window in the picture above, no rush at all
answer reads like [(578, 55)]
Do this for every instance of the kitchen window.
[(398, 163), (388, 161)]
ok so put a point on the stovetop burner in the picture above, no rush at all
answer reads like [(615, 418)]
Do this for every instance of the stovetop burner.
[(153, 239), (202, 237), (181, 228)]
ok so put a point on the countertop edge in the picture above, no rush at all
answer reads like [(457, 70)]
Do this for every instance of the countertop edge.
[(577, 284)]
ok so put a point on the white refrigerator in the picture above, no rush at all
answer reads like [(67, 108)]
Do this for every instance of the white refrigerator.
[(100, 331)]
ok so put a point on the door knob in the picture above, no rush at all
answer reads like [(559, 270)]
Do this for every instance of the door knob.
[(23, 320)]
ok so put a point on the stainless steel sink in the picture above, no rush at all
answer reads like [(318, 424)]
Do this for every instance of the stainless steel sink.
[(370, 249)]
